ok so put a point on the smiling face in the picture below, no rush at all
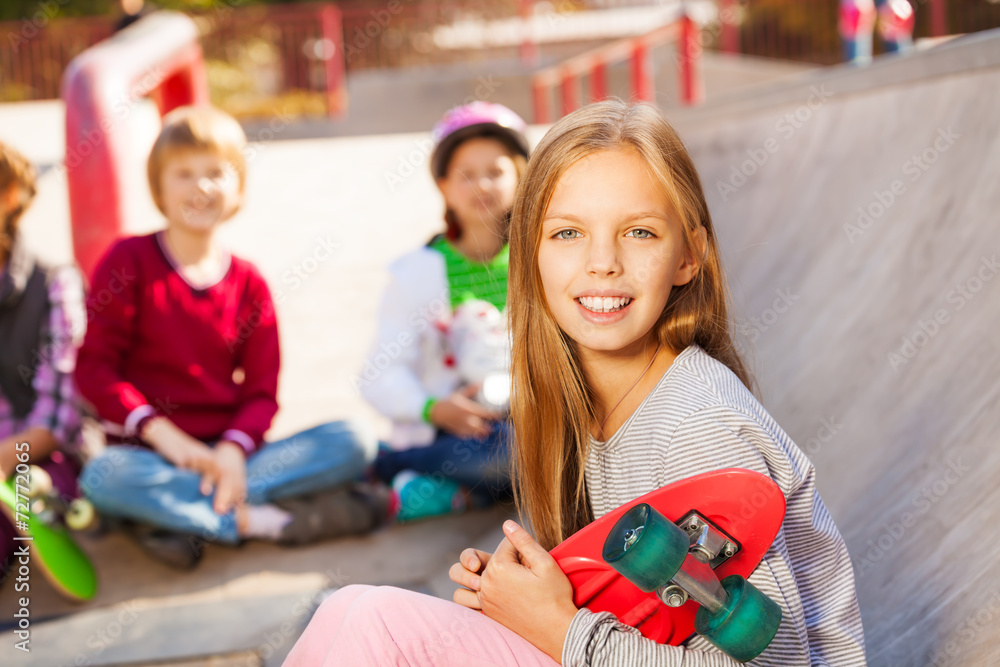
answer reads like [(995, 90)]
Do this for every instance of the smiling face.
[(199, 189), (480, 182), (611, 250)]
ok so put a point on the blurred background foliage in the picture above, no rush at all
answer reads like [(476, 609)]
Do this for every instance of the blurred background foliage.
[(13, 10)]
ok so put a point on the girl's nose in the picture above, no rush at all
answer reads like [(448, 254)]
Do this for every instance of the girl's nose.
[(603, 258), (483, 184)]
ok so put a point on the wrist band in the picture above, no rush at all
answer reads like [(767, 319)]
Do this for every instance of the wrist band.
[(428, 406), (141, 424)]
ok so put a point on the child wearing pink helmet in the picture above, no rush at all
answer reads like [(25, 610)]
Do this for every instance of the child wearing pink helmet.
[(448, 437)]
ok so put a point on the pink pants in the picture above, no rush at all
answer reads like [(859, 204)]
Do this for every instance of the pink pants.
[(368, 625)]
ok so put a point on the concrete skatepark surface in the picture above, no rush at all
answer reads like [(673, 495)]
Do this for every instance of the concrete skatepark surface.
[(872, 333)]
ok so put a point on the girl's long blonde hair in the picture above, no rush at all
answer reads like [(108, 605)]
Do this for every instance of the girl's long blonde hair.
[(552, 408)]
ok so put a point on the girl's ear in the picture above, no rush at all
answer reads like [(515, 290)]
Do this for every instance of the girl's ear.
[(693, 257), (441, 184)]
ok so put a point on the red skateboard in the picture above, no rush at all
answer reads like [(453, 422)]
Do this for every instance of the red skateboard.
[(656, 563)]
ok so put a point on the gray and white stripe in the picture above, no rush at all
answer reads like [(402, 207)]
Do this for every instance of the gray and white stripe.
[(700, 418)]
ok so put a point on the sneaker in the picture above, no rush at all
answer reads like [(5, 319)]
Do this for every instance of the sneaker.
[(180, 551), (422, 496), (354, 509)]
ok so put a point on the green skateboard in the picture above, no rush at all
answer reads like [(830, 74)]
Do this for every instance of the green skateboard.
[(39, 515)]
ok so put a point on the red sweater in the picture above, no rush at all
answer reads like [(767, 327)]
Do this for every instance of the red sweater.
[(205, 358)]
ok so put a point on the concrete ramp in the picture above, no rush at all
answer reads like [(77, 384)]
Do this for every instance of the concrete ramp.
[(859, 215)]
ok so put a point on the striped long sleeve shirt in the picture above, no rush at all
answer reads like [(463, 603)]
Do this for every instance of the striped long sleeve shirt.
[(57, 406), (701, 418)]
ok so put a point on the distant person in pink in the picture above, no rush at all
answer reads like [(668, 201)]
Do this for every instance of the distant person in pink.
[(857, 27)]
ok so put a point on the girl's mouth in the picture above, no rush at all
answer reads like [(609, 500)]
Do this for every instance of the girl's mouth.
[(604, 304)]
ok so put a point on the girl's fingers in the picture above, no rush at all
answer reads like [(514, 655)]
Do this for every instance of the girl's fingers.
[(467, 598), (463, 577), (474, 559)]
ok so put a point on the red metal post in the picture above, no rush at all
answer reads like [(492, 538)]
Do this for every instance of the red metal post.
[(939, 18), (598, 81), (159, 57), (529, 49), (567, 89), (331, 31), (642, 75), (730, 29), (689, 51), (540, 95)]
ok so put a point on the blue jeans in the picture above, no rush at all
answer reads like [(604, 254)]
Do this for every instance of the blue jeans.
[(139, 484), (480, 465)]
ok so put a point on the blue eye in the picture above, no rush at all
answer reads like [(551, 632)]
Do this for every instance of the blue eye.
[(640, 233), (563, 234)]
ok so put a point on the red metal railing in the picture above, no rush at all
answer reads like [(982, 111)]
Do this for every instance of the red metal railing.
[(593, 64), (379, 34), (308, 39)]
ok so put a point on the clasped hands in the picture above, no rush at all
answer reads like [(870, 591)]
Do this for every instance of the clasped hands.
[(520, 586), (222, 468)]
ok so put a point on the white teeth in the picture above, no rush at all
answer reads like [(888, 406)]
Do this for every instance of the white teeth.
[(605, 304)]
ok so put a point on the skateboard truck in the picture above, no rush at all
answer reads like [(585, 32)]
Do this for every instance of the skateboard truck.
[(709, 548), (677, 561), (50, 507)]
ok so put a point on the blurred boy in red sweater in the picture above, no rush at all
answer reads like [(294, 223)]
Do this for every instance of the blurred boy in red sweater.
[(181, 364)]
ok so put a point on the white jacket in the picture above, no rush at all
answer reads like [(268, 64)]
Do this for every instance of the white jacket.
[(409, 362)]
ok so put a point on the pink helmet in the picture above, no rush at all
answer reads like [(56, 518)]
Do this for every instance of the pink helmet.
[(476, 119)]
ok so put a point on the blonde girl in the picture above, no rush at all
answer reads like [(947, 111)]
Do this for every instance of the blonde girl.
[(626, 379)]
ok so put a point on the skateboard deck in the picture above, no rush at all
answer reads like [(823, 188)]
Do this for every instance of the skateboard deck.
[(747, 507), (53, 550)]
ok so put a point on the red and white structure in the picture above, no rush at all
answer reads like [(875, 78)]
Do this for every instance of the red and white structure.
[(158, 57)]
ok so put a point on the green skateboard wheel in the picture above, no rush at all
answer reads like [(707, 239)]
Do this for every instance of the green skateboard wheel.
[(646, 548), (745, 626)]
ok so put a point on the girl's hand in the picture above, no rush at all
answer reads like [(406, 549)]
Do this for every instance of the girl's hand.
[(178, 447), (524, 590), (466, 573), (463, 417), (228, 477)]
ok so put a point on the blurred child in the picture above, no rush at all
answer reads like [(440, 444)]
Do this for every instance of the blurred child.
[(442, 437), (181, 363), (857, 27), (626, 379), (41, 324)]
